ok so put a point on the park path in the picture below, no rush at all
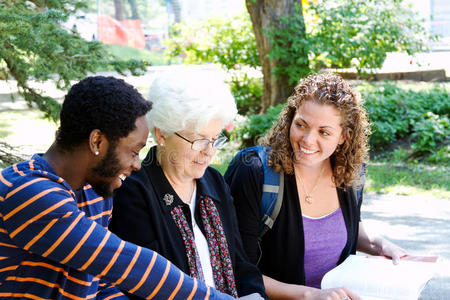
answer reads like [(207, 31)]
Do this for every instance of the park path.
[(418, 223)]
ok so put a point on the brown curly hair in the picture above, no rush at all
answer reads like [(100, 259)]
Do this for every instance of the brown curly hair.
[(326, 89)]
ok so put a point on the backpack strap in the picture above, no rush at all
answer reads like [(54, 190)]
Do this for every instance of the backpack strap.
[(268, 221), (272, 190)]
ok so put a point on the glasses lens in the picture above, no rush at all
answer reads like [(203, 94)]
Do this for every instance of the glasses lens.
[(200, 145), (220, 142)]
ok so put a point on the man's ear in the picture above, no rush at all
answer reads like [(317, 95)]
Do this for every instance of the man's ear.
[(160, 139), (98, 142)]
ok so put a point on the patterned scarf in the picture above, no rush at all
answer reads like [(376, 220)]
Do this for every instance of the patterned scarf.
[(217, 243)]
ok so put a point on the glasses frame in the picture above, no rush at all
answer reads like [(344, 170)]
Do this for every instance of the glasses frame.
[(220, 140)]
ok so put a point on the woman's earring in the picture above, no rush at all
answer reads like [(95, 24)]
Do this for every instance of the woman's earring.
[(97, 153)]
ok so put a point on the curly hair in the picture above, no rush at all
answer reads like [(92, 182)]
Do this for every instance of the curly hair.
[(105, 103), (325, 89)]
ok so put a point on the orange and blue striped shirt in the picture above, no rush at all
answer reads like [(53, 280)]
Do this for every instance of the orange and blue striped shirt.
[(54, 244)]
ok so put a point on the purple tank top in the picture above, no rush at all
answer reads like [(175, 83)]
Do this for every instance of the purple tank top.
[(325, 238)]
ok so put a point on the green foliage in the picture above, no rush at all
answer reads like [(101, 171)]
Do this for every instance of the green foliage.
[(343, 34), (359, 33), (256, 126), (440, 156), (128, 53), (429, 132), (397, 113), (247, 92), (227, 41), (290, 47), (34, 46)]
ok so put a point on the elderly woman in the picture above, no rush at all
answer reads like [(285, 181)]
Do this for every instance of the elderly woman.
[(319, 143), (176, 204)]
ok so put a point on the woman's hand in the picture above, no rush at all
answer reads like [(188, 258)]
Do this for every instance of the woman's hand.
[(378, 246), (284, 291), (391, 250)]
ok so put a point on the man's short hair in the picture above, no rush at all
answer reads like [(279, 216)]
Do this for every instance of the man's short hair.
[(105, 103)]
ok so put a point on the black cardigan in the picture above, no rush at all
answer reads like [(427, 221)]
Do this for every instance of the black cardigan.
[(282, 247), (141, 216)]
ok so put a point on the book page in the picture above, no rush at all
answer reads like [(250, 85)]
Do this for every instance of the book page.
[(372, 277)]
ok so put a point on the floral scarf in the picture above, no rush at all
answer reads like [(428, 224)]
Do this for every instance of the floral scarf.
[(217, 243)]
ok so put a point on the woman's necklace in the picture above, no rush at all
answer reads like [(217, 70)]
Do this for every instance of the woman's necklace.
[(308, 196)]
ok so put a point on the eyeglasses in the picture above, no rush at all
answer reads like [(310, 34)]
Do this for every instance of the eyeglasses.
[(202, 144)]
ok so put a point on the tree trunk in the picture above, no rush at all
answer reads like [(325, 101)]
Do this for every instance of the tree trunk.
[(134, 10), (267, 14), (118, 9)]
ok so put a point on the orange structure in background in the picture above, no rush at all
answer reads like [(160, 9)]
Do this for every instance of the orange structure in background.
[(126, 33)]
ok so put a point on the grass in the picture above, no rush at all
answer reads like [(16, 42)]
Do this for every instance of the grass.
[(408, 179), (152, 57), (26, 130)]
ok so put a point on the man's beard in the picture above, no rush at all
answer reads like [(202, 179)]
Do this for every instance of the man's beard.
[(107, 168)]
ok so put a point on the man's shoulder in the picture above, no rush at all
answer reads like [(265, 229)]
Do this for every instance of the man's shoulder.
[(28, 176)]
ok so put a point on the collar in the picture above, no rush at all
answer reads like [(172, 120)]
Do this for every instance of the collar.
[(43, 165), (167, 196)]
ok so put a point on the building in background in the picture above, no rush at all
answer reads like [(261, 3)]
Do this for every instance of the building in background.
[(436, 14)]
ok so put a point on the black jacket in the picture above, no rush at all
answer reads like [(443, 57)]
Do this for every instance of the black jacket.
[(282, 248), (141, 216)]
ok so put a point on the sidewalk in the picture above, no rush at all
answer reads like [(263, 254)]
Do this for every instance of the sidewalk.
[(428, 66), (419, 224)]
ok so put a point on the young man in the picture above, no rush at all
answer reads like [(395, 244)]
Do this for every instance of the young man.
[(55, 208)]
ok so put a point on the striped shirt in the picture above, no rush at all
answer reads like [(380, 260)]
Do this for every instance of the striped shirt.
[(54, 245)]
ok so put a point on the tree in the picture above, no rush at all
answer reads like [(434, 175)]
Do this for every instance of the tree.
[(338, 34), (268, 15), (119, 10), (119, 13), (35, 46), (359, 33), (134, 10)]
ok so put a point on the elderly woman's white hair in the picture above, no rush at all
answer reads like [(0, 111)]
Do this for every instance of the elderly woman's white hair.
[(188, 99)]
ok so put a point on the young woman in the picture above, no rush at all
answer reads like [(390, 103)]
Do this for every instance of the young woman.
[(320, 143)]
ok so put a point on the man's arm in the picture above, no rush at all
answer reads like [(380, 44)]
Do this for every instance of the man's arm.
[(43, 218)]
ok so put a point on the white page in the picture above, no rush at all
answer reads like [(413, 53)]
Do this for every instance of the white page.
[(375, 277)]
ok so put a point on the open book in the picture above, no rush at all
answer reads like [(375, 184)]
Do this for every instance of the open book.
[(373, 277)]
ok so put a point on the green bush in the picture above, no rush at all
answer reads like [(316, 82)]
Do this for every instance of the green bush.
[(152, 58), (256, 126), (429, 132), (440, 156), (359, 33), (227, 41), (397, 113), (247, 92)]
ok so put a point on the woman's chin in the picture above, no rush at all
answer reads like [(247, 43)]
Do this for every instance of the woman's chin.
[(199, 169)]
